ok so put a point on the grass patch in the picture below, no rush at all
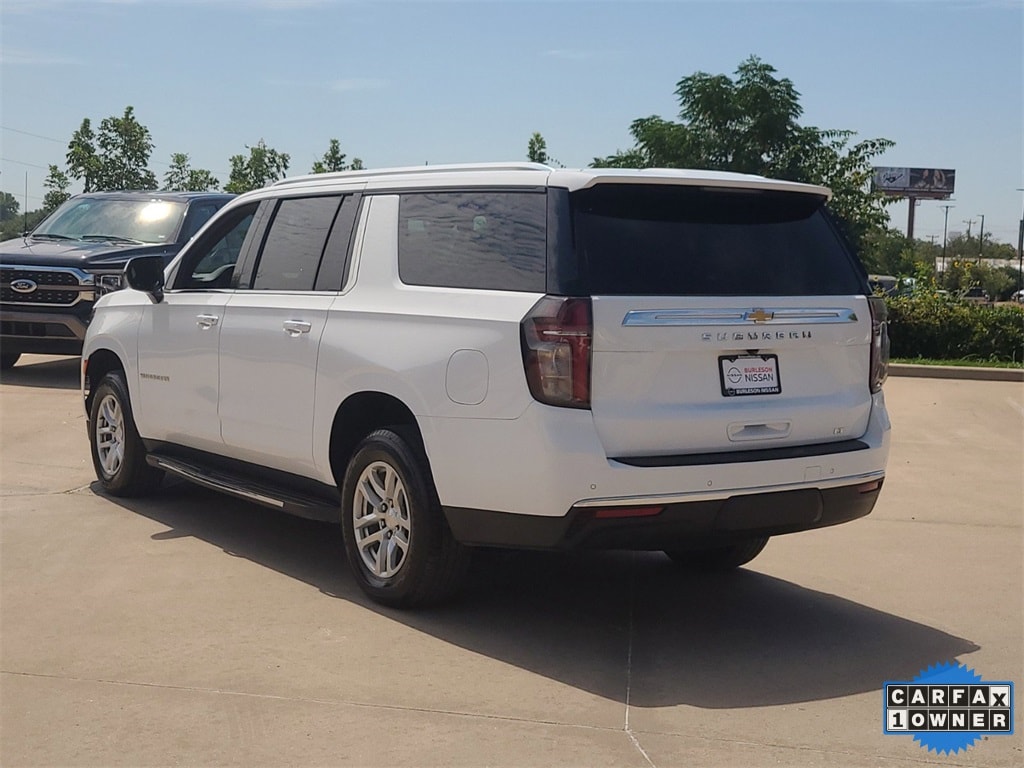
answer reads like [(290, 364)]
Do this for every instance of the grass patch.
[(963, 363)]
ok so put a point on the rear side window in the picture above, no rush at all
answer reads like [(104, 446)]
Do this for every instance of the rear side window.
[(649, 240), (293, 246), (483, 240)]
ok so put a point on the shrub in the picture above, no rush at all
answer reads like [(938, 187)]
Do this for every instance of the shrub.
[(931, 325)]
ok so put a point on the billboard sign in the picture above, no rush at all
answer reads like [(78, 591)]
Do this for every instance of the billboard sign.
[(934, 183)]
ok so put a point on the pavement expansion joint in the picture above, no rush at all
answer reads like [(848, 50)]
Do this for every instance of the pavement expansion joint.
[(310, 700), (629, 664)]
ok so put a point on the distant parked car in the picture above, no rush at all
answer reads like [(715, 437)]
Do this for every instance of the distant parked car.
[(1017, 296), (886, 284), (50, 277), (977, 295)]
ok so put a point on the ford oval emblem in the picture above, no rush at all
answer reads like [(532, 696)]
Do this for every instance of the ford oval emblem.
[(23, 286)]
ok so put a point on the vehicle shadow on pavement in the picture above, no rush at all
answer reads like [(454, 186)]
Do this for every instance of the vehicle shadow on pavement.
[(604, 621), (55, 373)]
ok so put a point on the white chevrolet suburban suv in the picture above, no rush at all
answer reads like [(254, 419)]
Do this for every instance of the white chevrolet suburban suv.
[(446, 357)]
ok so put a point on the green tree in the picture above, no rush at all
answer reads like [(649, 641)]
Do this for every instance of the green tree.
[(750, 125), (83, 161), (334, 160), (962, 246), (962, 274), (124, 149), (57, 184), (537, 149), (9, 206), (181, 177), (15, 226), (263, 166)]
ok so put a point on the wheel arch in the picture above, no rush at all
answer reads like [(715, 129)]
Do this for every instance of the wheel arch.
[(100, 362), (360, 414)]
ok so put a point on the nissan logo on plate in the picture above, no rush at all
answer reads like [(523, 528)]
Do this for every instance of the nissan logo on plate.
[(23, 286)]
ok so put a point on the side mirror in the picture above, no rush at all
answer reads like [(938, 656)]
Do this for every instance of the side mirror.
[(146, 274)]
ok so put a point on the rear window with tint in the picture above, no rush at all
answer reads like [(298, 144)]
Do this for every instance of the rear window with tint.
[(479, 239), (660, 240)]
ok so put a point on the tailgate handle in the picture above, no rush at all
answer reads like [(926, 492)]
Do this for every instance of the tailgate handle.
[(739, 431)]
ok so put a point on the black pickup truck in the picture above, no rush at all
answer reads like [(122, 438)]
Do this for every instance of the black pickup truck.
[(50, 277)]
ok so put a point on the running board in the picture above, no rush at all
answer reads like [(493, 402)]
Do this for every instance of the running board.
[(289, 501)]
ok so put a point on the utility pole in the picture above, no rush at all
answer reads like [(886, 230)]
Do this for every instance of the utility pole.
[(981, 238), (911, 206), (945, 225), (1020, 254)]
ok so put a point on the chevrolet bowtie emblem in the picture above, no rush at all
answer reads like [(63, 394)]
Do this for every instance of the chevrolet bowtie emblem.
[(759, 316)]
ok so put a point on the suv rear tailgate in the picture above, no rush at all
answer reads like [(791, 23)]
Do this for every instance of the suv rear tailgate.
[(724, 319), (661, 369)]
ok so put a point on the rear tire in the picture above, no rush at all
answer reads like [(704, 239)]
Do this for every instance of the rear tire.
[(725, 558), (398, 543), (118, 455), (8, 359)]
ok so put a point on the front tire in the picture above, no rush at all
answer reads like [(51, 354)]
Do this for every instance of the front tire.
[(398, 543), (724, 558), (118, 455)]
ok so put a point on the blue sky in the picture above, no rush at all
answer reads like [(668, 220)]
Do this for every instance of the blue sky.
[(403, 83)]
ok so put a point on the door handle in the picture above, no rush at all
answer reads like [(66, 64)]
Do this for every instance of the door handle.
[(207, 321), (295, 327)]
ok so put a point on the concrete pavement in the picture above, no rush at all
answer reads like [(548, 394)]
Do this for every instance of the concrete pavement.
[(192, 629)]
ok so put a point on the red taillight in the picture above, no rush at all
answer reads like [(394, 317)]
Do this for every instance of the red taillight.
[(620, 512), (556, 336), (879, 342)]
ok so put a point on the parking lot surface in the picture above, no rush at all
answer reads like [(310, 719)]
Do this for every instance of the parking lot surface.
[(194, 629)]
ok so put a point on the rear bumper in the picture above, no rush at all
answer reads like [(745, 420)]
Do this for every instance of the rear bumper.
[(551, 460), (677, 525)]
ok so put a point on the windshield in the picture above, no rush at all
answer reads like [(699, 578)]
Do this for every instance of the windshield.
[(95, 218), (657, 239)]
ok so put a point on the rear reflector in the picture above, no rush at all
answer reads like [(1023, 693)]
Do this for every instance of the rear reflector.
[(874, 485), (613, 512)]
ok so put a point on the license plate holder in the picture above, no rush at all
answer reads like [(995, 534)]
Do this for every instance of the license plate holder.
[(745, 375)]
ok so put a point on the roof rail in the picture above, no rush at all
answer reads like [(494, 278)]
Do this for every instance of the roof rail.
[(414, 169)]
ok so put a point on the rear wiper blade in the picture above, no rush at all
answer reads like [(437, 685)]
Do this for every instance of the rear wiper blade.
[(50, 236), (112, 239)]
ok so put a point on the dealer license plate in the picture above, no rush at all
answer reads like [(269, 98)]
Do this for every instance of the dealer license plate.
[(749, 375)]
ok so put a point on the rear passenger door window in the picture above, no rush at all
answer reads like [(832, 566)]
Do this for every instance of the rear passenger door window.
[(473, 239), (294, 245)]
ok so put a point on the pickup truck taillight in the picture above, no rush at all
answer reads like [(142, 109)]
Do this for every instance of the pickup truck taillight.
[(879, 342), (556, 335)]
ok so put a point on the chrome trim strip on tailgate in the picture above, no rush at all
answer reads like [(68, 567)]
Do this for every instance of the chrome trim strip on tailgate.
[(755, 315), (679, 498)]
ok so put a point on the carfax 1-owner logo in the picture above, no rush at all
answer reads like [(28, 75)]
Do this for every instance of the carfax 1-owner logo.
[(947, 707)]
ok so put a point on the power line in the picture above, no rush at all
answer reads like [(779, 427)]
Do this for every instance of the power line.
[(33, 135), (21, 162)]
